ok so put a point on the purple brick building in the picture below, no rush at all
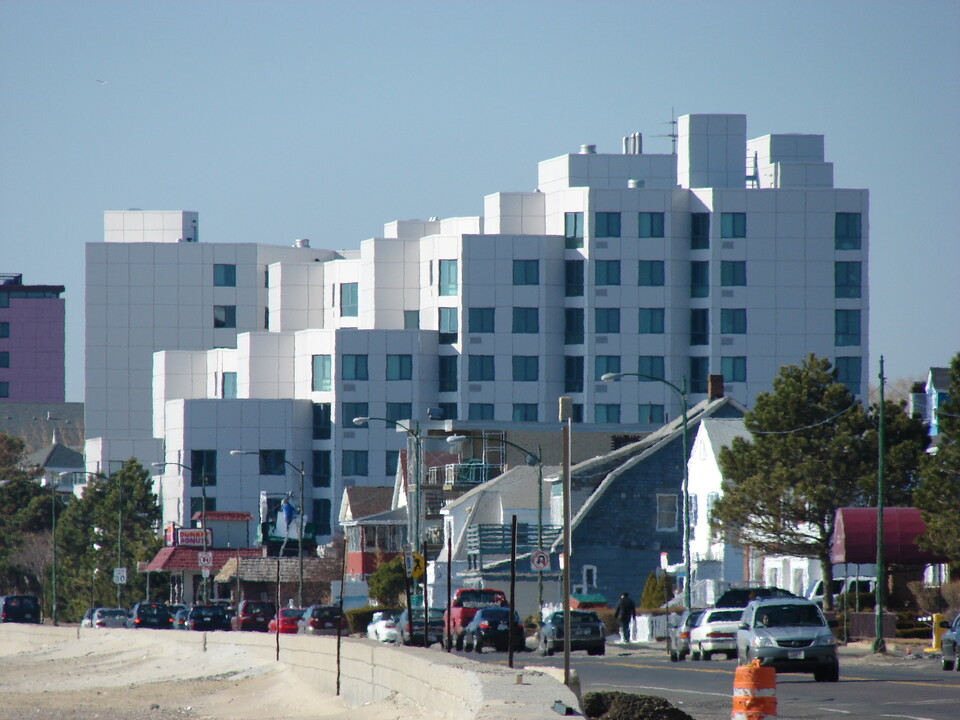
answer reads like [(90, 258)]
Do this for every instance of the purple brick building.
[(31, 341)]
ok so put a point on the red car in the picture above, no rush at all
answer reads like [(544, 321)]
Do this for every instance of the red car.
[(253, 615), (289, 617)]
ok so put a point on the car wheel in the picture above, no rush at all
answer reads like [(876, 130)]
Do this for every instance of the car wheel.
[(681, 656), (477, 646), (946, 664), (458, 643), (695, 656), (732, 655), (602, 650), (674, 657), (705, 654)]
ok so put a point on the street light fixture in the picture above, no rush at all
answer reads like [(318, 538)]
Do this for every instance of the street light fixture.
[(682, 392)]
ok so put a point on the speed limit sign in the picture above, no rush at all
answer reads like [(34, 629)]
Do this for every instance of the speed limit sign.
[(539, 561), (205, 559)]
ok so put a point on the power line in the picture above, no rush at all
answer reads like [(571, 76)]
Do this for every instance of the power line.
[(805, 427)]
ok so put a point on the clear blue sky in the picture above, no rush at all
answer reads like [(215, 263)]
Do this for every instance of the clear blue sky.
[(280, 120)]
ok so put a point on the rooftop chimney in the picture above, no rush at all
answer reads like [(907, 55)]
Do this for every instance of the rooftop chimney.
[(714, 387)]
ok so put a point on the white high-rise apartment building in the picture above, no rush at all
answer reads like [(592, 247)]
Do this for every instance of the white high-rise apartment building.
[(730, 257)]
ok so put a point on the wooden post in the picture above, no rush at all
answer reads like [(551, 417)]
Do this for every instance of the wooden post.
[(513, 588)]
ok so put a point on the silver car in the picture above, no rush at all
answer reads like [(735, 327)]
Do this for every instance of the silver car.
[(789, 635), (715, 632), (949, 643)]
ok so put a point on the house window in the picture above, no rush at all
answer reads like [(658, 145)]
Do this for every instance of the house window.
[(526, 272), (526, 320), (573, 278), (846, 279), (448, 410), (733, 273), (399, 367), (481, 320), (351, 410), (228, 385), (711, 501), (526, 368), (573, 326), (651, 224), (652, 366), (354, 462), (573, 373), (607, 272), (354, 367), (224, 316), (447, 325), (573, 229), (699, 327), (734, 369), (699, 231), (203, 465), (349, 299), (272, 462), (447, 371), (692, 509), (411, 319), (650, 413), (481, 368), (322, 421), (590, 576), (733, 225), (846, 327), (699, 279), (604, 364), (666, 513), (224, 275), (391, 463), (197, 505), (4, 389), (607, 320), (606, 413), (733, 321), (480, 411), (525, 412), (607, 224), (849, 373), (322, 373), (699, 367), (4, 329), (321, 516), (847, 231), (651, 321), (650, 273), (399, 411), (448, 278), (322, 468), (4, 359)]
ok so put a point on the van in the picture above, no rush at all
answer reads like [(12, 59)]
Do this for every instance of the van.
[(857, 584)]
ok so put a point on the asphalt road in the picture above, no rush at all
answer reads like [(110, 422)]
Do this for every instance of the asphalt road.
[(912, 688)]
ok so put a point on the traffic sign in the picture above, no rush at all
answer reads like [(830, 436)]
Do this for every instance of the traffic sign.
[(539, 561), (419, 566), (205, 559), (120, 576)]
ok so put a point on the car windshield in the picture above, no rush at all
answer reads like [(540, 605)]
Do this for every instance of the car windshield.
[(113, 613), (577, 617), (325, 613), (206, 612), (497, 614), (724, 616), (291, 613), (258, 609), (153, 610), (788, 616), (693, 617)]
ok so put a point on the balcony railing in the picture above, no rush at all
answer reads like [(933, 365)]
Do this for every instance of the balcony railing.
[(466, 473), (495, 539)]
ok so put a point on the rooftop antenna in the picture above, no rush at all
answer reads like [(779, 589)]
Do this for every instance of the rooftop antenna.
[(672, 122)]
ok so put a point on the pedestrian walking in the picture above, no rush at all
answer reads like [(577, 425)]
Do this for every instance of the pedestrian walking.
[(624, 614)]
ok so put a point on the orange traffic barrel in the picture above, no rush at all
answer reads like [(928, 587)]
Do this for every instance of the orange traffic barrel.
[(754, 692)]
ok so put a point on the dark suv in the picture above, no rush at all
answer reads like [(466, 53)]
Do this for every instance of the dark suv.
[(19, 609), (150, 615), (253, 615)]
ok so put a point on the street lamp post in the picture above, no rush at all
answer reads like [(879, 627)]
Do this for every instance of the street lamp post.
[(203, 513), (685, 493)]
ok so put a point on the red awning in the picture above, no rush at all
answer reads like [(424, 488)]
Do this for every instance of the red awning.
[(855, 537)]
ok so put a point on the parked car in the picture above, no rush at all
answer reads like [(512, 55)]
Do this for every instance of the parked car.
[(410, 626), (789, 635), (949, 644), (150, 615), (180, 619), (678, 635), (208, 617), (20, 609), (106, 618), (715, 631), (741, 597), (286, 621), (464, 605), (586, 633), (323, 620), (491, 627), (383, 626), (253, 615)]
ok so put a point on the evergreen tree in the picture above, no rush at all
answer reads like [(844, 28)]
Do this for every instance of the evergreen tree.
[(387, 583), (24, 511), (649, 594)]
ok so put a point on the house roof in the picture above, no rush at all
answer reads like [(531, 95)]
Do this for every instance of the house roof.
[(264, 569), (939, 378), (55, 457), (397, 516), (722, 431), (179, 558), (35, 423), (360, 502)]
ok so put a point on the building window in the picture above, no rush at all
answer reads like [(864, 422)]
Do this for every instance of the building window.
[(525, 412), (849, 373), (650, 413), (447, 325), (322, 421), (604, 364), (322, 468), (699, 368), (607, 224), (228, 385), (526, 272), (573, 373), (224, 275), (203, 466), (481, 368), (224, 316), (526, 368), (322, 373), (411, 319), (354, 367), (699, 327), (4, 329), (4, 389), (846, 327), (526, 320), (349, 299), (607, 272), (576, 413), (651, 321), (699, 279), (197, 505), (607, 320), (606, 413), (573, 278), (846, 279), (351, 410), (699, 231), (399, 411), (847, 231), (273, 462), (652, 366), (4, 300), (733, 369), (354, 462), (573, 326), (573, 229), (481, 320), (4, 359), (666, 513), (399, 367), (480, 411), (266, 318), (650, 273), (447, 371), (391, 463), (733, 273), (321, 516), (651, 225), (733, 321), (448, 410), (448, 277), (733, 225)]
